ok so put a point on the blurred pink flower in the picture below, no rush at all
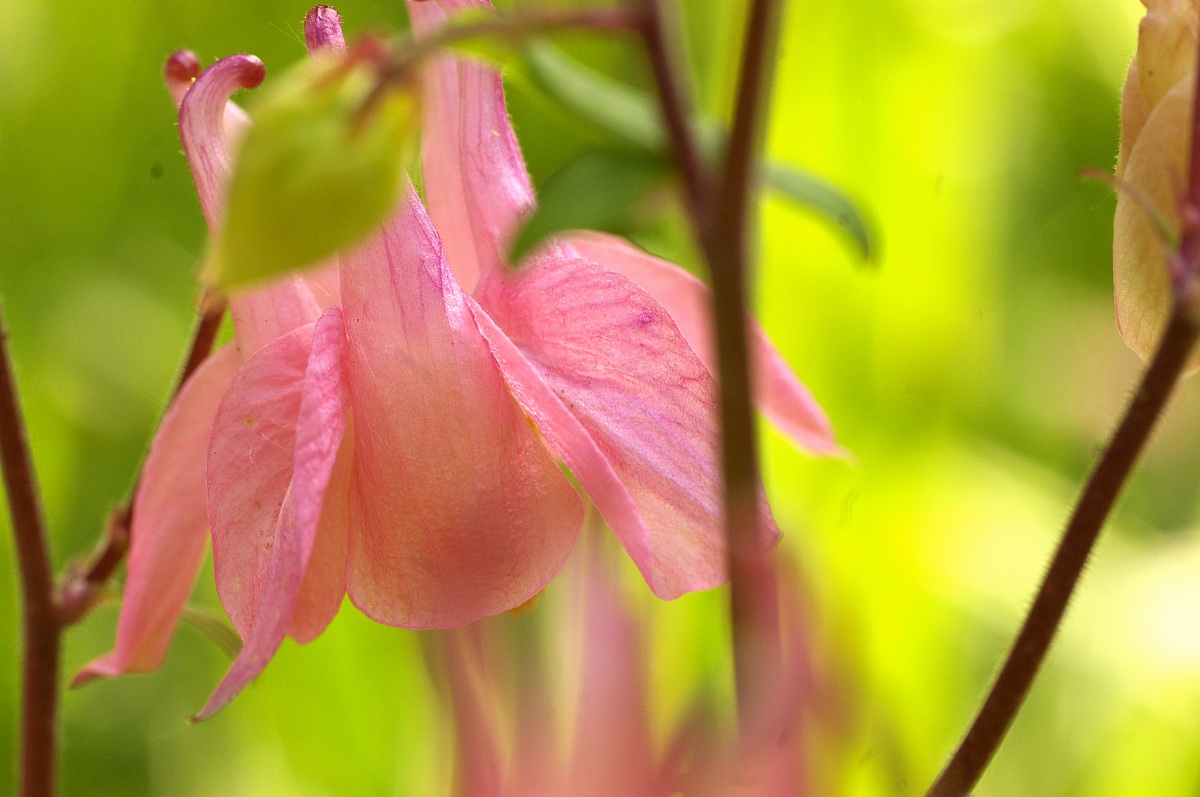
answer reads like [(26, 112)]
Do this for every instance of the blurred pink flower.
[(382, 447), (599, 742)]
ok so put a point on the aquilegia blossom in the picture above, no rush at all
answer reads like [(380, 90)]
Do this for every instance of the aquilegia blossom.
[(401, 446)]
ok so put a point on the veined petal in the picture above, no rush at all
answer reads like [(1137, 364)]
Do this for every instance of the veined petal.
[(619, 363), (689, 302), (476, 185), (250, 464), (458, 510), (317, 431), (169, 525), (567, 437)]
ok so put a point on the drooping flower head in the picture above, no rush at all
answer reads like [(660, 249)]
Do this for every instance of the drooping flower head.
[(402, 446)]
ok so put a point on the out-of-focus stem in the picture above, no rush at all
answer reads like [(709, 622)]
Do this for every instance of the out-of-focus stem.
[(721, 211), (753, 598), (399, 66), (42, 631), (676, 104)]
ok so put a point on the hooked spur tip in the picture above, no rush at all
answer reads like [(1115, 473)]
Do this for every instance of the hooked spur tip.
[(251, 71), (180, 71), (182, 67)]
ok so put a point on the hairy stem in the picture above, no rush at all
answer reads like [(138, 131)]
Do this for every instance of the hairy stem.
[(1045, 616), (1011, 686), (42, 631)]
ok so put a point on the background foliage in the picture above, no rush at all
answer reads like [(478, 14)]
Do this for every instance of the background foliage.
[(972, 376)]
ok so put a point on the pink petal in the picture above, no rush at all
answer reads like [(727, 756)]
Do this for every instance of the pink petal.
[(689, 301), (618, 362), (611, 724), (250, 462), (181, 70), (309, 405), (169, 525), (458, 511), (202, 115), (475, 184)]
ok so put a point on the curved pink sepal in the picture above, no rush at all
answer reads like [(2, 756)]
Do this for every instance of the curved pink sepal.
[(458, 511), (476, 185), (202, 118), (317, 390), (618, 362), (778, 393), (169, 525)]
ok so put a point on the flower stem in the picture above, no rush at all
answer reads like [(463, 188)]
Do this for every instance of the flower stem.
[(720, 207), (1011, 686), (42, 629), (83, 584), (753, 599), (675, 102), (1045, 616)]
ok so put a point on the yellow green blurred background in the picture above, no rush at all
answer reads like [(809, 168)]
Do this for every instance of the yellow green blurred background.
[(972, 374)]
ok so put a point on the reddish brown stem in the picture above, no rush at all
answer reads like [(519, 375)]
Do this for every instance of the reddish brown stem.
[(84, 584), (1033, 641), (676, 105), (1045, 616), (42, 632)]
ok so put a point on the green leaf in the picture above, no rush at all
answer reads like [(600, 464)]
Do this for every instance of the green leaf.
[(213, 627), (825, 199), (315, 174), (598, 190), (633, 118), (627, 114)]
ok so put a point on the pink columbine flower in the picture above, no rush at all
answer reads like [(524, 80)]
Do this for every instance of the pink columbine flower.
[(401, 446)]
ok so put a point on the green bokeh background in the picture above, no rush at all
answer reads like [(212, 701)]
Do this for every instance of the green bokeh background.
[(972, 376)]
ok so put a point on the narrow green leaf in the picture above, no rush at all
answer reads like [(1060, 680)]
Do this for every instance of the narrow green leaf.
[(598, 190), (213, 627), (625, 113), (314, 174), (825, 199), (632, 118)]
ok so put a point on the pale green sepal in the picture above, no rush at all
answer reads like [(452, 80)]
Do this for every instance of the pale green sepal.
[(315, 173)]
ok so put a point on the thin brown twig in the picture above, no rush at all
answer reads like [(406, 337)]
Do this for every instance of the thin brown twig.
[(84, 584), (400, 64), (667, 65), (42, 632), (1045, 615)]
